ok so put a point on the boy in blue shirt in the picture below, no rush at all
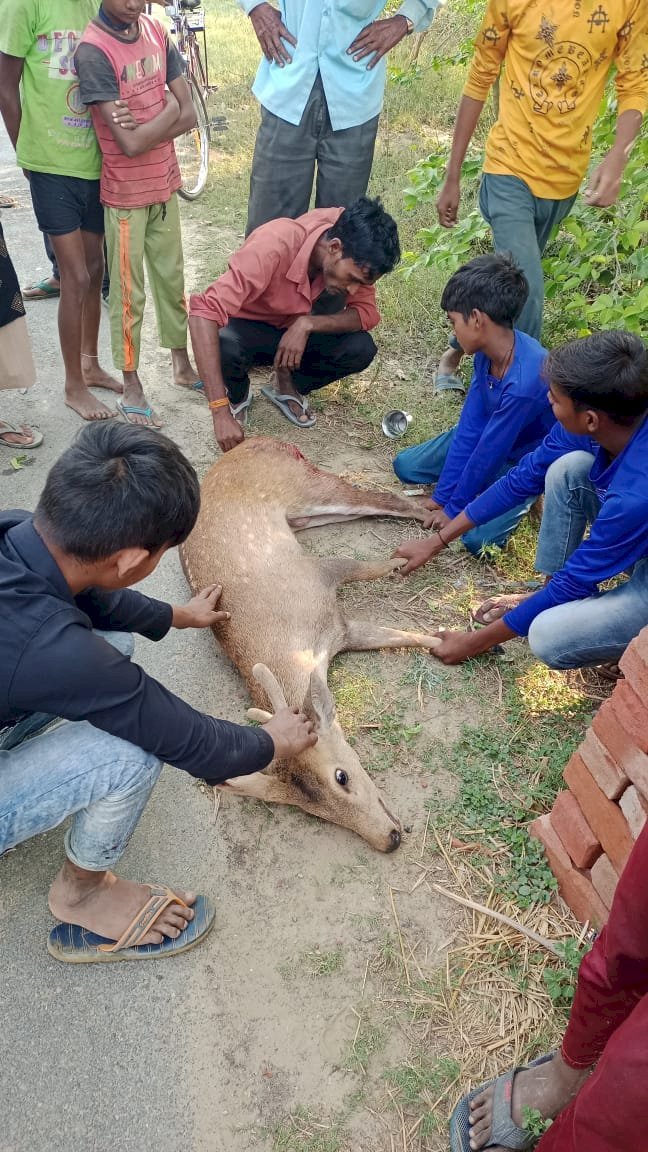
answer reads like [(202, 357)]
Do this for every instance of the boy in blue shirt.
[(592, 468), (506, 412)]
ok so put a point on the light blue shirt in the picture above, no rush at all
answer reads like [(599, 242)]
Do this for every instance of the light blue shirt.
[(324, 29)]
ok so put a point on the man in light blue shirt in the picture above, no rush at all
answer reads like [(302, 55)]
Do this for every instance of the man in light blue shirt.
[(320, 85)]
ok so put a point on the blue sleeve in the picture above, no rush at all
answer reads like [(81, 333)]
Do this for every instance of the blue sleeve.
[(467, 433), (527, 478), (126, 611), (617, 540), (493, 450)]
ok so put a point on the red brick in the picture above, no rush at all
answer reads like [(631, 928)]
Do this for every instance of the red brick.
[(603, 816), (576, 890), (610, 778), (635, 810), (573, 830), (631, 714), (627, 755), (605, 879), (634, 668)]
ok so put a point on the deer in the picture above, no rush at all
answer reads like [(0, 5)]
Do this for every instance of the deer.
[(285, 622)]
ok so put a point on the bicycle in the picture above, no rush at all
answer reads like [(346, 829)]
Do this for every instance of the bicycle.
[(192, 148)]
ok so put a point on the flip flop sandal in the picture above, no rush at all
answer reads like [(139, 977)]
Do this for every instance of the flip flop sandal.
[(241, 410), (6, 429), (128, 410), (507, 602), (448, 382), (40, 291), (504, 1131), (74, 945), (283, 404)]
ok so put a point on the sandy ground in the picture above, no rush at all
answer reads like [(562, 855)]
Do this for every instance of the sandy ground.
[(209, 1051)]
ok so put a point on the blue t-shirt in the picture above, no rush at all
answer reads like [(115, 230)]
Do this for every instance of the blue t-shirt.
[(619, 535), (500, 422)]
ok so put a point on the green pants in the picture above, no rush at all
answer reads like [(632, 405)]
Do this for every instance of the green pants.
[(135, 236)]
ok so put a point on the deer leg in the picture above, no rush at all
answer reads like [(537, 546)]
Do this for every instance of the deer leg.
[(348, 503), (363, 635), (341, 570)]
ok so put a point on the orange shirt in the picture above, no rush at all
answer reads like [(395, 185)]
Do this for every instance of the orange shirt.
[(556, 55), (267, 279)]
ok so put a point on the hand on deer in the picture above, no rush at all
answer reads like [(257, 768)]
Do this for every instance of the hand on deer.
[(227, 430), (291, 346), (292, 732), (417, 553), (200, 611)]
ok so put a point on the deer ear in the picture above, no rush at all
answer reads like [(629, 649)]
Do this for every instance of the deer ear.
[(318, 704)]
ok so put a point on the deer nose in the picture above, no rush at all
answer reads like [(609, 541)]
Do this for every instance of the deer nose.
[(394, 839)]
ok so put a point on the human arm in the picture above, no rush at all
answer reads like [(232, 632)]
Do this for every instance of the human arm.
[(132, 611), (379, 37), (447, 204), (11, 68), (270, 31), (466, 436), (71, 672), (604, 184)]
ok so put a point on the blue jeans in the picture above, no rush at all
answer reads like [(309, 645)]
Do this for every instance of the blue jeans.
[(74, 770), (596, 630), (522, 224), (423, 464)]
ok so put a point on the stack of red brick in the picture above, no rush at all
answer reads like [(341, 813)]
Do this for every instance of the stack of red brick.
[(589, 833)]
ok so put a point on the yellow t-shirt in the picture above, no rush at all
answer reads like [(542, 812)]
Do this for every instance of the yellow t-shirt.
[(556, 56)]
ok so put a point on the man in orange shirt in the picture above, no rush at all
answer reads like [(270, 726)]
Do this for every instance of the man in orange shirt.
[(555, 59), (298, 295)]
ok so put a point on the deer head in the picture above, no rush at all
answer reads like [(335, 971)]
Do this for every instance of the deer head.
[(327, 780)]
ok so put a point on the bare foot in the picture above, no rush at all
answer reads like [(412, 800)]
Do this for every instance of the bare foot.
[(497, 606), (184, 373), (106, 904), (449, 362), (79, 398), (134, 397), (24, 438), (548, 1088), (94, 376), (285, 387)]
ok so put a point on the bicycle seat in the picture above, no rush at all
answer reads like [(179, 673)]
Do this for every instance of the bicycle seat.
[(189, 5)]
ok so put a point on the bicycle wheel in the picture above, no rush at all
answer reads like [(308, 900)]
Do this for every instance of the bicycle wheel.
[(192, 149)]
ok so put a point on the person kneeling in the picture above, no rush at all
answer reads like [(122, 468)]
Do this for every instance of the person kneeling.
[(506, 413), (113, 504), (592, 468)]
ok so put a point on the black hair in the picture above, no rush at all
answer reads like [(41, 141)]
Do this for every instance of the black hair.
[(492, 284), (118, 486), (607, 371), (369, 237)]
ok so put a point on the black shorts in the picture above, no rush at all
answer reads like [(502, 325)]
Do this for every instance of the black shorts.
[(64, 203)]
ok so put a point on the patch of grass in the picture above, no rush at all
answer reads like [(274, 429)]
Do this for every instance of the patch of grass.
[(419, 1087), (323, 963), (302, 1132), (368, 1040), (561, 979)]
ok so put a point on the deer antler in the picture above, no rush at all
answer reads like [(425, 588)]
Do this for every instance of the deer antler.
[(270, 685)]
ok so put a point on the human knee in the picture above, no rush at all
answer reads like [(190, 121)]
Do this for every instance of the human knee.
[(570, 469), (400, 466), (547, 641), (75, 280), (358, 352)]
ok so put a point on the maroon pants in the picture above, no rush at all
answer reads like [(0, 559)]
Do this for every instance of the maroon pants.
[(609, 1024)]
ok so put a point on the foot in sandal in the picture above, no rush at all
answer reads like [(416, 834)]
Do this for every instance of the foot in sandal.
[(134, 406), (497, 606), (19, 435)]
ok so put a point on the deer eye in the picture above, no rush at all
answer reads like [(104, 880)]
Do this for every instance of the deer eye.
[(341, 777)]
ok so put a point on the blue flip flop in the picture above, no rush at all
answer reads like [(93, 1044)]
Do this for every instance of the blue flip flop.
[(283, 402), (448, 382), (74, 945), (128, 410), (504, 1132)]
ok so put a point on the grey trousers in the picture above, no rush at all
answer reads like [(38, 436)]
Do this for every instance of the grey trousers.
[(285, 156)]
